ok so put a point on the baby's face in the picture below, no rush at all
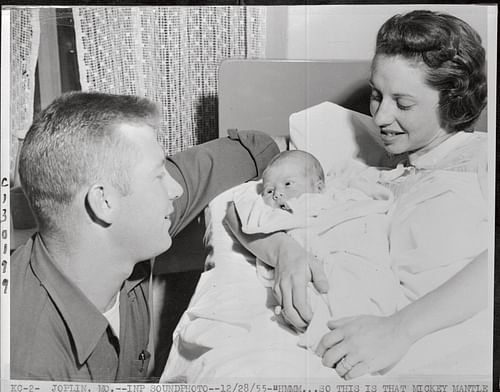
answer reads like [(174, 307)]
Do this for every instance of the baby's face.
[(286, 179)]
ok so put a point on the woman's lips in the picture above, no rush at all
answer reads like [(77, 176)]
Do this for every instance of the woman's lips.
[(388, 134)]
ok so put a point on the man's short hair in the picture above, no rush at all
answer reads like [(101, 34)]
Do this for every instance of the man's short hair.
[(73, 143)]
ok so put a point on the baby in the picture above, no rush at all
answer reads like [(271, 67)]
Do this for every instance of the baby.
[(342, 224), (290, 175)]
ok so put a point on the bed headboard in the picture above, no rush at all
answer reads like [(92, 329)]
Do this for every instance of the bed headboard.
[(261, 94)]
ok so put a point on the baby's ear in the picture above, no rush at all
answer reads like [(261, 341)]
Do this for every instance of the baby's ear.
[(320, 185)]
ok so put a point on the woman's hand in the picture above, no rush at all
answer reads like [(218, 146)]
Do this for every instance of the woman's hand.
[(294, 270), (370, 343), (363, 344)]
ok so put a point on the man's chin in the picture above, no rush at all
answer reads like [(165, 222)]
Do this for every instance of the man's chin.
[(168, 244), (165, 245)]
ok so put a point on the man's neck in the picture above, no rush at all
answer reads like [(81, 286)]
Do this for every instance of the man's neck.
[(90, 265)]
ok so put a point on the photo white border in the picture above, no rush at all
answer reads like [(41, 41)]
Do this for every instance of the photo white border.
[(5, 200)]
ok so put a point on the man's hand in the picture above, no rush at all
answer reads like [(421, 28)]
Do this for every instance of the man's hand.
[(294, 270)]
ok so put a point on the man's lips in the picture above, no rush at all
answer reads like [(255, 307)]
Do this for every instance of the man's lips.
[(167, 222), (167, 215)]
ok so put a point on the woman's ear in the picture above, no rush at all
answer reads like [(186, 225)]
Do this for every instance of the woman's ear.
[(100, 203)]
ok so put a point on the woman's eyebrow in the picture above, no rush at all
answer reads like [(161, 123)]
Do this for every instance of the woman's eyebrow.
[(401, 95), (395, 95)]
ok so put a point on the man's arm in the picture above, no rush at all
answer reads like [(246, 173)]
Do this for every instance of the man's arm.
[(206, 170), (294, 268)]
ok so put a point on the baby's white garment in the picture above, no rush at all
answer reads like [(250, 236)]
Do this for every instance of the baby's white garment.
[(344, 227)]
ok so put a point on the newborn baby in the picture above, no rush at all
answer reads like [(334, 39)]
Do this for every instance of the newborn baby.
[(343, 225), (290, 175)]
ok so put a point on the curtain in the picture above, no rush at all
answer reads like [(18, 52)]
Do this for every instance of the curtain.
[(170, 55), (24, 41)]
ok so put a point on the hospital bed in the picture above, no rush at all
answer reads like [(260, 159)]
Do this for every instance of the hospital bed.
[(229, 330)]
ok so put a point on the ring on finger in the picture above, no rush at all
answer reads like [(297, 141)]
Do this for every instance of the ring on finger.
[(358, 369), (277, 310), (345, 364), (348, 363)]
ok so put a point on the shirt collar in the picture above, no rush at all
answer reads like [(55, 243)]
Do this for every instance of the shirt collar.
[(85, 322), (140, 273), (432, 157)]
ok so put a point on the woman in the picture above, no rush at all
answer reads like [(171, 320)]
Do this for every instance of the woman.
[(428, 89)]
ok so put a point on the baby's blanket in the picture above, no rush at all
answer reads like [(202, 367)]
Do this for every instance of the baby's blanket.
[(346, 228)]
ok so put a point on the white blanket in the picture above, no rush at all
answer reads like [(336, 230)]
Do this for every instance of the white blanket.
[(230, 331), (345, 227)]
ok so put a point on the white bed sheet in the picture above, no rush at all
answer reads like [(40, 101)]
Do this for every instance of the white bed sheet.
[(230, 331)]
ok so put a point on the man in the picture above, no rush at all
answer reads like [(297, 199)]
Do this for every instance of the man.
[(105, 200)]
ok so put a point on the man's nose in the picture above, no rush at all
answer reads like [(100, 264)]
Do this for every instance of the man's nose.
[(174, 189)]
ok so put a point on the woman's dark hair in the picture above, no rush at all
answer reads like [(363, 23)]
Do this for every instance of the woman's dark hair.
[(454, 59)]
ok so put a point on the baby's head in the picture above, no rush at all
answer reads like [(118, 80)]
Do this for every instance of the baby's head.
[(289, 175)]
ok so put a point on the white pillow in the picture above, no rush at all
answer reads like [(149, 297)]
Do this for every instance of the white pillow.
[(334, 134)]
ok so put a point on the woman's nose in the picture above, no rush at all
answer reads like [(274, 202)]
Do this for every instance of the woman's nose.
[(174, 189), (383, 114)]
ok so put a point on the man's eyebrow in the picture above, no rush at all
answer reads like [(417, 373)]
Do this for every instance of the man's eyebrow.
[(160, 164)]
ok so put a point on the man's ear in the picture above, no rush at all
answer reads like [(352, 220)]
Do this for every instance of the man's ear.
[(100, 203)]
